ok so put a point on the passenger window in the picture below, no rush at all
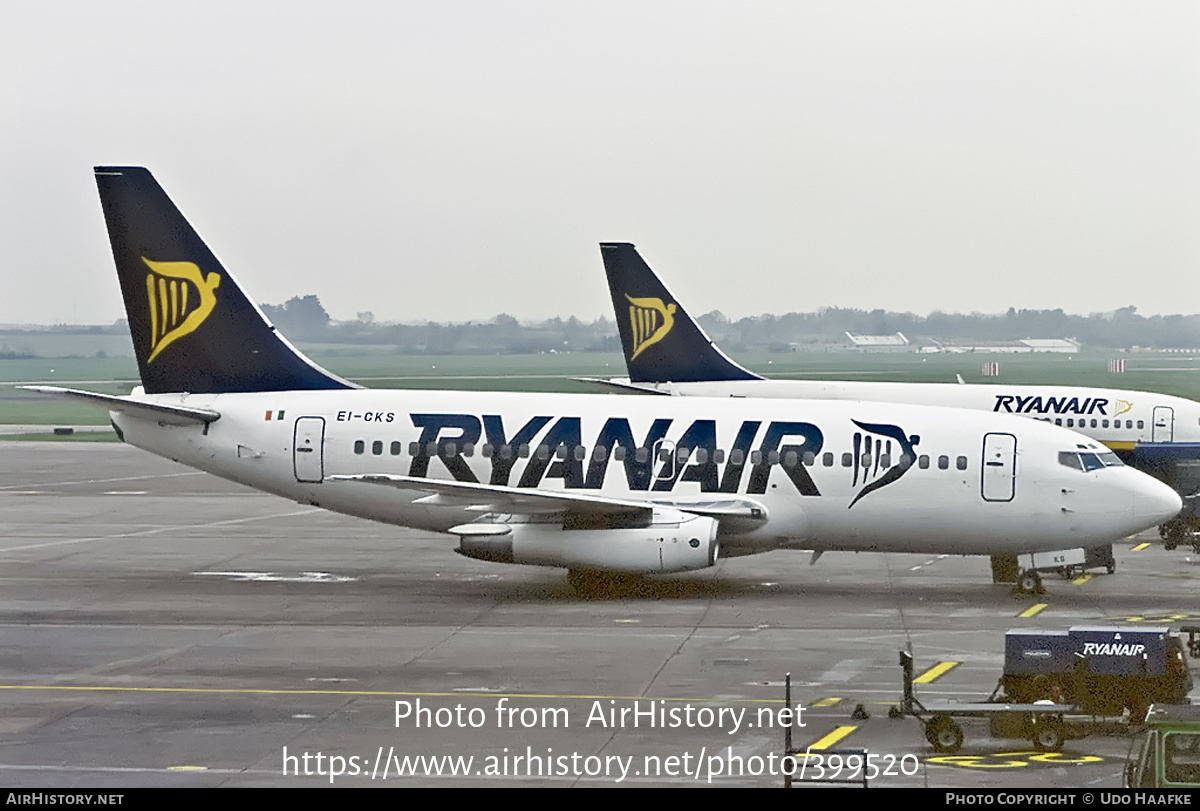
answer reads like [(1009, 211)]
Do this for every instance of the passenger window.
[(377, 447), (580, 453), (486, 450), (756, 457), (789, 459), (414, 449), (359, 446), (847, 459), (773, 458), (702, 456), (396, 448), (506, 452), (961, 463), (923, 462), (827, 459), (1093, 423), (1058, 420), (719, 456), (619, 453), (599, 453), (1105, 423), (523, 451), (1141, 424), (943, 463), (866, 460), (543, 453), (560, 452), (641, 455), (809, 458), (737, 457), (450, 449), (885, 460), (431, 449)]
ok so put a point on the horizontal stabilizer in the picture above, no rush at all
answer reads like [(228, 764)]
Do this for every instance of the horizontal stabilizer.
[(621, 385), (159, 412)]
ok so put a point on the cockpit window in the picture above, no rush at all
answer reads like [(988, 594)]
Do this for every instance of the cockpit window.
[(1088, 461), (1069, 459)]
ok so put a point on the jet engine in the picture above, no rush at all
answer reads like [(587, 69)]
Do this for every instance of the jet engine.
[(673, 542)]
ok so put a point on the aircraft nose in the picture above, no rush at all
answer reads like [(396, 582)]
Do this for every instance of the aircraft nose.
[(1155, 502)]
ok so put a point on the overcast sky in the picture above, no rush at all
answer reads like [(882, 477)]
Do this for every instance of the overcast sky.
[(454, 160)]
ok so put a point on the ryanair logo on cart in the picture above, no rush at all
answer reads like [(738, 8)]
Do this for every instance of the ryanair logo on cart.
[(180, 299), (650, 320)]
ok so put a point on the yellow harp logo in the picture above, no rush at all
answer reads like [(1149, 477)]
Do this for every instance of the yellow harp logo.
[(1123, 406), (175, 310), (650, 321)]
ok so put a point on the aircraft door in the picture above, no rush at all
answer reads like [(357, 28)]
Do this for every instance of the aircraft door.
[(664, 460), (999, 481), (308, 449), (1162, 429)]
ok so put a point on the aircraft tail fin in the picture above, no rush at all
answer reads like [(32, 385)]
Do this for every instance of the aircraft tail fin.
[(193, 328), (662, 343)]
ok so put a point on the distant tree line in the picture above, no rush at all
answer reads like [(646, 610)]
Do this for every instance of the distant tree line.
[(303, 318), (306, 320)]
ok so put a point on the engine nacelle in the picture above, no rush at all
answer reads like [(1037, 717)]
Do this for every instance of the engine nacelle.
[(675, 542)]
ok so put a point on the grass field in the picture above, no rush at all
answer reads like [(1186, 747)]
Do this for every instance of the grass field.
[(1165, 373)]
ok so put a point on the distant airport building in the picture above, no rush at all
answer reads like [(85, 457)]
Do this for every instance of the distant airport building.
[(1051, 345), (1061, 345), (879, 343)]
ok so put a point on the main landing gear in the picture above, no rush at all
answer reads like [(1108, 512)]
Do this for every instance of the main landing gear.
[(1030, 582), (1005, 569), (595, 583)]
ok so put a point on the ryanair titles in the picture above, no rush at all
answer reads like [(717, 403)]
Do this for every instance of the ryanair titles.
[(554, 448), (1112, 649), (1037, 404)]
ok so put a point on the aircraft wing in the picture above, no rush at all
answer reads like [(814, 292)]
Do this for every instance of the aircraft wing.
[(159, 412), (491, 498), (496, 498)]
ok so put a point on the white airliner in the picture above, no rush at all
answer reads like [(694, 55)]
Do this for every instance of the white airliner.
[(666, 352), (591, 483)]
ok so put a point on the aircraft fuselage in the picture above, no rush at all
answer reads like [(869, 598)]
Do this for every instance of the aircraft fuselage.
[(1118, 418), (827, 475)]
